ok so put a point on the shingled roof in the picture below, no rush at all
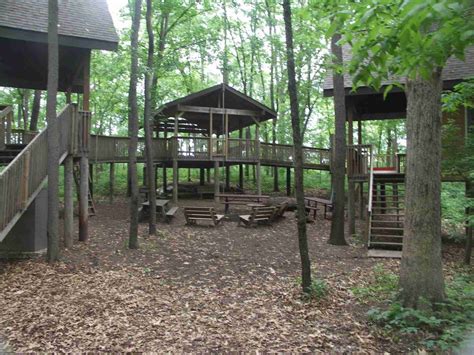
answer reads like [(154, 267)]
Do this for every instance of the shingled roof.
[(454, 72), (82, 23)]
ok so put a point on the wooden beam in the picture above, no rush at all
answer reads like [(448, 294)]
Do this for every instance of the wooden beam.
[(229, 111)]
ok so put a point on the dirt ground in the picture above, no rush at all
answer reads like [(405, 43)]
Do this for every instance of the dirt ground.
[(190, 289)]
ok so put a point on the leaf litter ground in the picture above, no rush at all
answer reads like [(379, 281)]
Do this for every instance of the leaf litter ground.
[(192, 289)]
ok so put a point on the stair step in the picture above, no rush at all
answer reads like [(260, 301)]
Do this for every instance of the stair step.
[(385, 221), (388, 214), (389, 208), (385, 243), (386, 236), (387, 228)]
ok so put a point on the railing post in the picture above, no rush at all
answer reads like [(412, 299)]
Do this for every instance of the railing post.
[(2, 133), (25, 177), (9, 127)]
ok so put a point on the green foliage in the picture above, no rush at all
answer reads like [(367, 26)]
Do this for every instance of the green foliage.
[(384, 286), (439, 328), (402, 37), (318, 289)]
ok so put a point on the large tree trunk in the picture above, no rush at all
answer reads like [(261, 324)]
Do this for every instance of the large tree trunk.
[(35, 111), (53, 133), (338, 164), (133, 124), (298, 148), (421, 272), (151, 182)]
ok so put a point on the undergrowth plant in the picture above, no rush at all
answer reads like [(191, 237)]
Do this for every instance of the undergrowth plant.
[(440, 327)]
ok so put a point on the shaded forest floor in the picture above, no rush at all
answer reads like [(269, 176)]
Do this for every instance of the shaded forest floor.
[(193, 289)]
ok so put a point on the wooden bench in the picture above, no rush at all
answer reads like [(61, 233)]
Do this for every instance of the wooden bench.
[(241, 199), (170, 214), (312, 205), (258, 215), (280, 210), (194, 214)]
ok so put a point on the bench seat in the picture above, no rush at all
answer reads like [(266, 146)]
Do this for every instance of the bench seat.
[(170, 213)]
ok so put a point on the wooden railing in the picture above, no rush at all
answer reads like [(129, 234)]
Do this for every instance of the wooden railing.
[(21, 136), (23, 178), (359, 161), (6, 118), (284, 153), (115, 149)]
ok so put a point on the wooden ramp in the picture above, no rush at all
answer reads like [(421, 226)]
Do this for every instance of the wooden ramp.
[(380, 253)]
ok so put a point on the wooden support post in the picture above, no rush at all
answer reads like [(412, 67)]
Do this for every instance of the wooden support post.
[(91, 179), (361, 184), (2, 133), (202, 176), (351, 194), (227, 178), (84, 160), (258, 167), (469, 193), (175, 160), (175, 180), (288, 181), (216, 181), (165, 181), (68, 202), (145, 180), (276, 182), (84, 199), (208, 175), (211, 129), (111, 182), (241, 176), (9, 128)]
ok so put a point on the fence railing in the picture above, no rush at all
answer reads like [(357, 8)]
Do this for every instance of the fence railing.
[(21, 136), (284, 153), (6, 118), (23, 178), (359, 161)]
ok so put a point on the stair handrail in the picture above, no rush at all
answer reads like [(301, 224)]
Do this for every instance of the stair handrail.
[(371, 179), (5, 126), (24, 177)]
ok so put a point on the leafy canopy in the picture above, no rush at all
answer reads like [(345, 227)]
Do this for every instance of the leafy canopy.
[(403, 38)]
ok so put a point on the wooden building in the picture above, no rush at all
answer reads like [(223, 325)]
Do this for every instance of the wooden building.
[(84, 26), (385, 175)]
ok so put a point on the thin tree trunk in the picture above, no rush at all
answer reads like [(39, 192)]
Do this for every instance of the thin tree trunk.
[(147, 121), (338, 170), (421, 271), (133, 124), (298, 148), (53, 133), (35, 111)]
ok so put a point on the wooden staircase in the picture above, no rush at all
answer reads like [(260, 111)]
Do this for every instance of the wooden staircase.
[(386, 220), (10, 152)]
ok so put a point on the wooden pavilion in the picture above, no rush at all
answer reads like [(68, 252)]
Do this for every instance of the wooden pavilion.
[(380, 172), (83, 26)]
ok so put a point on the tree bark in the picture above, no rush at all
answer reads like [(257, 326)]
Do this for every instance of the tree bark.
[(53, 133), (421, 272), (151, 183), (133, 124), (338, 164), (298, 149), (35, 111)]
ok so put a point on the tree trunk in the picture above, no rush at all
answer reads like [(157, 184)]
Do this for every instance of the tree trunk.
[(151, 183), (338, 166), (469, 212), (35, 111), (53, 133), (133, 124), (421, 272), (298, 149)]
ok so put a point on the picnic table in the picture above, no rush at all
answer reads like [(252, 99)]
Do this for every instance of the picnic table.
[(311, 204), (162, 209), (240, 199)]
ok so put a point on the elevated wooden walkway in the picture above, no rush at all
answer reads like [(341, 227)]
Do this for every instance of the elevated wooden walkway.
[(202, 152)]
